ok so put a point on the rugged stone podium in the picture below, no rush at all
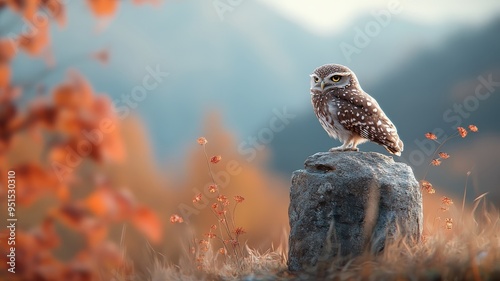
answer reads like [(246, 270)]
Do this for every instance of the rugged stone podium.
[(345, 203)]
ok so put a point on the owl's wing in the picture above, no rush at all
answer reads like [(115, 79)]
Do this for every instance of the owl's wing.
[(365, 117)]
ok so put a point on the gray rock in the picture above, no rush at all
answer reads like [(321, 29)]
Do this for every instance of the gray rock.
[(346, 203)]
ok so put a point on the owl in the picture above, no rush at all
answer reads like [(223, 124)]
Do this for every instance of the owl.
[(348, 113)]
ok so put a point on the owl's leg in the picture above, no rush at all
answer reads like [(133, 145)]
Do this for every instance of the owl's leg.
[(337, 149), (353, 144), (346, 146)]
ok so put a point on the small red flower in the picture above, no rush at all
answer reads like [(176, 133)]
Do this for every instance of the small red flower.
[(462, 132), (444, 155), (436, 162), (210, 235), (202, 141), (222, 251), (215, 206), (428, 187), (212, 188), (197, 198), (176, 219), (238, 199), (239, 230), (473, 128), (215, 159), (221, 198), (446, 201), (431, 136)]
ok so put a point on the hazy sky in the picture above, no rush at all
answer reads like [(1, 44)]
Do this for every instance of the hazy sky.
[(326, 16)]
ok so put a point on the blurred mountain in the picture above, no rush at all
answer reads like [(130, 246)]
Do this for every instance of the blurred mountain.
[(245, 66), (255, 62), (426, 94)]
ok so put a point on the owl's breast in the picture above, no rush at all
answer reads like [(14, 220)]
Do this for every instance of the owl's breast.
[(327, 113)]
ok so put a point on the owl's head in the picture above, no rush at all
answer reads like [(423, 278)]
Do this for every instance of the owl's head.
[(330, 76)]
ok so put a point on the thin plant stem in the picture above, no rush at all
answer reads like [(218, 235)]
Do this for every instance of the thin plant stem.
[(436, 151), (465, 194)]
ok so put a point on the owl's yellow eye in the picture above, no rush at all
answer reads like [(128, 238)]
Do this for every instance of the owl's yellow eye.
[(316, 79), (336, 78)]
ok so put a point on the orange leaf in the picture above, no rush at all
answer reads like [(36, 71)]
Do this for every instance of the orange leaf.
[(102, 202), (46, 235), (4, 75), (76, 92), (71, 215), (32, 182), (27, 8), (56, 9), (35, 40), (7, 50), (95, 232), (146, 221), (62, 193), (108, 202), (103, 7)]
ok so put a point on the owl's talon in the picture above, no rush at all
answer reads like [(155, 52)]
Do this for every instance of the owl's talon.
[(342, 149)]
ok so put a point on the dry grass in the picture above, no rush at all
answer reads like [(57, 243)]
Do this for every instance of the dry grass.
[(465, 247), (468, 251)]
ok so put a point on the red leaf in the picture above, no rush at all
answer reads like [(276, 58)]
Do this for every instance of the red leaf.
[(146, 221)]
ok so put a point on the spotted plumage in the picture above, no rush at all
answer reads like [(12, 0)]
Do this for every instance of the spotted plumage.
[(349, 114)]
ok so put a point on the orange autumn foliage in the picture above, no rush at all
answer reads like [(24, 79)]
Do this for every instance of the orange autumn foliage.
[(7, 52), (56, 10), (102, 8), (4, 75), (76, 92), (26, 8), (148, 223), (36, 39), (66, 129)]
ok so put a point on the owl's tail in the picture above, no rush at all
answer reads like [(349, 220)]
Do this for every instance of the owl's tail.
[(396, 148)]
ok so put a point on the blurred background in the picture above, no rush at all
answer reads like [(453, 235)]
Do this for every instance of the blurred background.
[(164, 73)]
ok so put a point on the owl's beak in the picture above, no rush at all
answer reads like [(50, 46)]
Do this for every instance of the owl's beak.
[(322, 85)]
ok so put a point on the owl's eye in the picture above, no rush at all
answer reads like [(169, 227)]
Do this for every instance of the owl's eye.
[(336, 78), (316, 79)]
